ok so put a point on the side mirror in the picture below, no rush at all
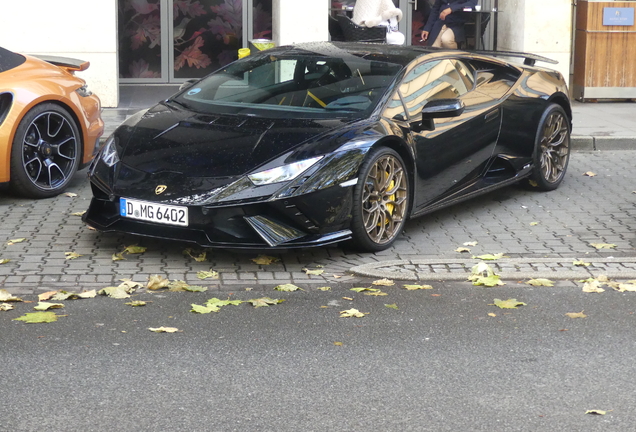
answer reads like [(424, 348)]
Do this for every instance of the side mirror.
[(443, 108)]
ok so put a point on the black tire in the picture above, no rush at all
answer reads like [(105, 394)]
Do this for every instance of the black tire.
[(552, 150), (46, 152), (380, 200)]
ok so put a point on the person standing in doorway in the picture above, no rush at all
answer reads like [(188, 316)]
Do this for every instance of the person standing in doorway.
[(445, 25)]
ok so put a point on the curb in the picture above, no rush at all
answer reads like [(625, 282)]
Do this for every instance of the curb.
[(600, 143), (510, 269)]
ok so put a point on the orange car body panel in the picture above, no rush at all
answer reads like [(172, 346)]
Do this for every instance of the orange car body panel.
[(36, 81)]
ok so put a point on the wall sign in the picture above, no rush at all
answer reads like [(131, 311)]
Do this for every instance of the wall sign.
[(618, 16)]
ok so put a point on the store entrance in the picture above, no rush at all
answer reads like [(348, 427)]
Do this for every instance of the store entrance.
[(170, 41)]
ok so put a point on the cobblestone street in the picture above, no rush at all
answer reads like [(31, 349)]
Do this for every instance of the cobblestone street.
[(540, 233)]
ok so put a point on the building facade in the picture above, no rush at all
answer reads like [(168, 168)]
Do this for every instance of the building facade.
[(159, 42)]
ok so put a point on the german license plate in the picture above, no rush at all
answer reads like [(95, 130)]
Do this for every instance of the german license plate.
[(153, 212)]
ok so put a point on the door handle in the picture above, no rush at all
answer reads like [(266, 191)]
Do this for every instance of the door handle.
[(414, 3)]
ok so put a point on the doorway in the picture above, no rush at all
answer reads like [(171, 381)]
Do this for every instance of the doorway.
[(171, 41)]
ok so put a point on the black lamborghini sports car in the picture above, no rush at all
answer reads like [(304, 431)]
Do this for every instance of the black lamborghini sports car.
[(320, 143)]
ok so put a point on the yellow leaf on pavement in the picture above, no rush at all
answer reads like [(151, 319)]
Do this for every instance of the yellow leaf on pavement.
[(603, 245), (118, 256), (14, 241), (208, 274), (134, 249), (287, 288), (70, 194), (6, 296), (581, 263), (473, 243), (540, 282), (383, 282), (38, 317), (417, 287), (163, 329), (576, 315), (593, 286), (265, 260), (351, 313), (71, 255), (4, 261), (42, 306), (6, 306), (490, 257), (313, 272), (46, 296), (462, 249), (78, 213), (508, 304), (156, 282), (589, 174)]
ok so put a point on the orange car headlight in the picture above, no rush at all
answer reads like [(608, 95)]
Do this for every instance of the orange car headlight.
[(84, 91)]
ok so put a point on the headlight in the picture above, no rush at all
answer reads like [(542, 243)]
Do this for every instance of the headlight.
[(109, 153), (282, 173), (84, 91)]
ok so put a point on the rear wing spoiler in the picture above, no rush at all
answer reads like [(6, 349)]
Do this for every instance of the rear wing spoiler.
[(70, 64), (529, 59)]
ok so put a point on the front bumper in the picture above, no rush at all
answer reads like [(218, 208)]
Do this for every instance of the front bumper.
[(316, 219)]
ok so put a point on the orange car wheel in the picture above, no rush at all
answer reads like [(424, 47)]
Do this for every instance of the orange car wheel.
[(46, 152)]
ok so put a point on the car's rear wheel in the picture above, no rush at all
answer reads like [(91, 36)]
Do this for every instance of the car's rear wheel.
[(552, 149), (380, 200), (45, 153)]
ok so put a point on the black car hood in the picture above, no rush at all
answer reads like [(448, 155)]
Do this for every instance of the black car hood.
[(194, 145)]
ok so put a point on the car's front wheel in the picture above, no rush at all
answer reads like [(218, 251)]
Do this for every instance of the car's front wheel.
[(45, 153), (552, 149), (380, 200)]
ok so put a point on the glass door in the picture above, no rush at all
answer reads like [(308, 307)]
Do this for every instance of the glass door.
[(170, 41)]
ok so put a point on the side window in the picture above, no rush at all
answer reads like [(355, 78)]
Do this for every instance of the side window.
[(438, 79), (395, 108), (466, 73)]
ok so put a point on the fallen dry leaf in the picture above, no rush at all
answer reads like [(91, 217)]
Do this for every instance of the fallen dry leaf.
[(376, 293), (14, 241), (576, 314), (352, 313), (603, 245), (78, 213), (163, 329), (593, 286), (492, 314), (417, 287), (596, 412), (581, 263), (6, 296), (133, 249), (347, 298), (287, 288), (589, 174), (508, 304), (313, 272), (156, 282), (265, 260), (383, 282), (324, 288), (338, 343), (472, 243), (534, 223), (264, 301), (489, 257), (462, 250), (38, 317), (42, 306), (392, 306), (540, 282), (4, 261), (198, 257), (208, 274), (6, 306), (136, 303), (118, 256), (46, 296), (70, 194), (71, 255)]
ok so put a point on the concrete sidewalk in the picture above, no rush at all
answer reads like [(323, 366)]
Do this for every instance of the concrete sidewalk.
[(597, 126)]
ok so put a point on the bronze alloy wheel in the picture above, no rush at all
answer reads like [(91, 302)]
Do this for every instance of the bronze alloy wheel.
[(555, 147), (552, 152), (382, 201), (46, 152)]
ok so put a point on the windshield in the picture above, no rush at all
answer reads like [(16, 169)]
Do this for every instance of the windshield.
[(293, 85)]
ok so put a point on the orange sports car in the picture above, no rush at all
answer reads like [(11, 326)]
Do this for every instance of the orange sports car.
[(50, 123)]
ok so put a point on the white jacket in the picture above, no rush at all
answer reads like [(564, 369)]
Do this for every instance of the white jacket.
[(372, 12)]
